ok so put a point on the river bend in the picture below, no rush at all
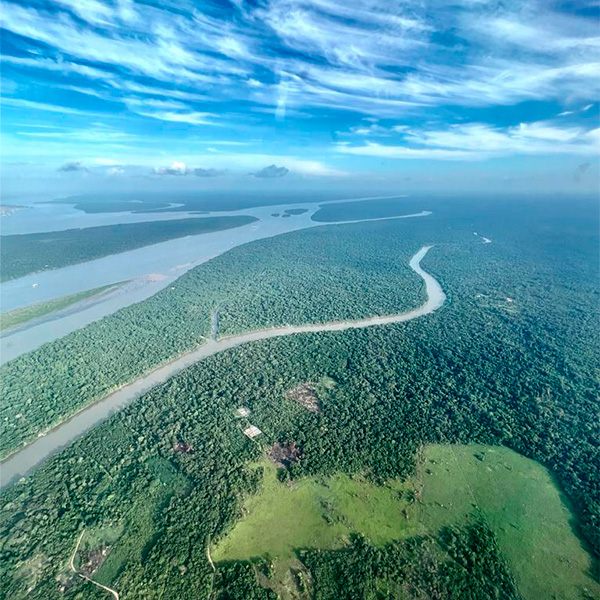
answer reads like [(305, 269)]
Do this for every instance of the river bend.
[(30, 456)]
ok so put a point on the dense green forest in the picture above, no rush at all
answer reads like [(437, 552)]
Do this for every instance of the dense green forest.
[(511, 359), (390, 207), (317, 275), (168, 473), (457, 564), (32, 252), (192, 201)]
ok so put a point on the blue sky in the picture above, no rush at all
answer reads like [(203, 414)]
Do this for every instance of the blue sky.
[(436, 94)]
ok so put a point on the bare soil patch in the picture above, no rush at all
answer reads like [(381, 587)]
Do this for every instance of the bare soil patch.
[(305, 394), (283, 455), (183, 448), (93, 561)]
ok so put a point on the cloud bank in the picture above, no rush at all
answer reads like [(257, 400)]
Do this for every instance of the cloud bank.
[(72, 166), (325, 87)]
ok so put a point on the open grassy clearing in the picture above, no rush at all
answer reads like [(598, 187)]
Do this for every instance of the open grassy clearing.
[(523, 507), (515, 495), (317, 512), (19, 316)]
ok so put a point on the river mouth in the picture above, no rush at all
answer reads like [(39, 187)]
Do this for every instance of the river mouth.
[(33, 454)]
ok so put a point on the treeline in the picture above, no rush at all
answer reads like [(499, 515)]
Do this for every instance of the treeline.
[(188, 201), (481, 369), (32, 252), (305, 277), (459, 564)]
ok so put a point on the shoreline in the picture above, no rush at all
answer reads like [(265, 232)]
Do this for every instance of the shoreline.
[(24, 460), (184, 254)]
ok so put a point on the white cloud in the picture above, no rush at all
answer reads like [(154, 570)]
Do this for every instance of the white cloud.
[(248, 161), (136, 104), (374, 57), (89, 10), (191, 118), (225, 142), (351, 34), (157, 57), (49, 64), (73, 166), (97, 133), (136, 88), (271, 172), (385, 151), (313, 168), (475, 141), (115, 171), (175, 168), (42, 106)]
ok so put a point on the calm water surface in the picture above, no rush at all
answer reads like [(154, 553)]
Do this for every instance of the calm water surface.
[(36, 452), (148, 269)]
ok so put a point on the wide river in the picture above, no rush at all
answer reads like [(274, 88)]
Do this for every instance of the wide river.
[(146, 270), (23, 461)]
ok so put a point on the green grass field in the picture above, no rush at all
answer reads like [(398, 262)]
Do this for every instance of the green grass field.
[(316, 513), (524, 508), (516, 496), (19, 316)]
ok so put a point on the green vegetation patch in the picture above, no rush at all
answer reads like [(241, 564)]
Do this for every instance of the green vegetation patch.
[(457, 485), (141, 529), (289, 578), (33, 252), (263, 284), (140, 532), (187, 201), (19, 316), (369, 209), (317, 512), (522, 505), (168, 475), (457, 564)]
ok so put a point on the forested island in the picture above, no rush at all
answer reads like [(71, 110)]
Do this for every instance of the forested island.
[(508, 362), (147, 202), (22, 316), (33, 252)]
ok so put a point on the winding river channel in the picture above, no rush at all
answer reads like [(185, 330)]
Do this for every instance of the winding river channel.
[(23, 461), (145, 271)]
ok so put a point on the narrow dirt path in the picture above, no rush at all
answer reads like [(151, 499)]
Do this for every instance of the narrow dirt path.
[(114, 593)]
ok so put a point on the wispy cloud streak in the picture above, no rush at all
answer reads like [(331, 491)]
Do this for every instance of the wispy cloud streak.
[(279, 63)]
